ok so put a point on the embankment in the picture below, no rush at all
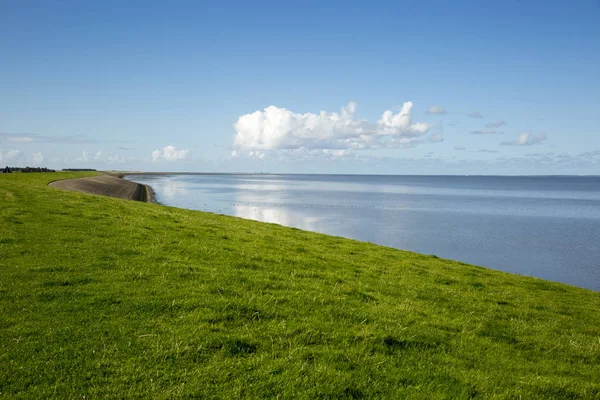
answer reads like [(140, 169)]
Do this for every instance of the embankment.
[(107, 185)]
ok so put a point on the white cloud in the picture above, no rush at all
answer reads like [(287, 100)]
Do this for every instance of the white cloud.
[(84, 157), (38, 158), (495, 124), (526, 139), (20, 139), (300, 154), (12, 156), (99, 157), (436, 138), (476, 115), (277, 128), (457, 162), (32, 137), (170, 153), (436, 110), (400, 124), (108, 158), (485, 132)]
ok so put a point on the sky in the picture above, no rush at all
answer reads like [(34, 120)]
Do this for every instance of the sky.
[(416, 87)]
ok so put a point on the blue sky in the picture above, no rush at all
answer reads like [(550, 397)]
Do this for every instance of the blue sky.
[(476, 87)]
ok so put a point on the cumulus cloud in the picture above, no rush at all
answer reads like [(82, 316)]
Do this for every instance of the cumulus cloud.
[(170, 153), (526, 139), (484, 132), (476, 115), (495, 124), (277, 128), (436, 110), (400, 124)]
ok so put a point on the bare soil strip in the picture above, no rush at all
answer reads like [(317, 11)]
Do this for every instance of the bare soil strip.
[(107, 185)]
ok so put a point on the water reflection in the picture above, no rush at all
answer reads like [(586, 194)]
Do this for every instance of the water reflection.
[(172, 189), (270, 203), (281, 216)]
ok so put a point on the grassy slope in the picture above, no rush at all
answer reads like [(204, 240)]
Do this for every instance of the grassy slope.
[(101, 297)]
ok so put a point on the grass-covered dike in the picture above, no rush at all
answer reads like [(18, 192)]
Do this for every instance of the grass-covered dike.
[(109, 298)]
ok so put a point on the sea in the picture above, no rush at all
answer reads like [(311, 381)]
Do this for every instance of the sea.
[(542, 226)]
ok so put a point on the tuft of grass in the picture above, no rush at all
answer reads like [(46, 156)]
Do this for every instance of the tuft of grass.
[(107, 298)]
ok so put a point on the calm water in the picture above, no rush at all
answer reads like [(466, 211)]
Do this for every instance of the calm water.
[(548, 227)]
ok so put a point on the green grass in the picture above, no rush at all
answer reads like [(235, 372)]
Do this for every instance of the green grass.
[(107, 298)]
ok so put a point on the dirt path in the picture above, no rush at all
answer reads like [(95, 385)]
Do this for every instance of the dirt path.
[(107, 185)]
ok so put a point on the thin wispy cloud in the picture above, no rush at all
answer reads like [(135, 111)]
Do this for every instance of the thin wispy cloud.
[(476, 115), (96, 158), (300, 154), (170, 153), (485, 132), (555, 161), (436, 138), (436, 110), (526, 139), (36, 138), (19, 139), (11, 156), (495, 124), (38, 158), (490, 160)]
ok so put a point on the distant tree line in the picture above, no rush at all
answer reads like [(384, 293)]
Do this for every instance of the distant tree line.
[(78, 169), (8, 170)]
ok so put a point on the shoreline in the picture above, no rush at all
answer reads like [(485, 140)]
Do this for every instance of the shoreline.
[(310, 217)]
